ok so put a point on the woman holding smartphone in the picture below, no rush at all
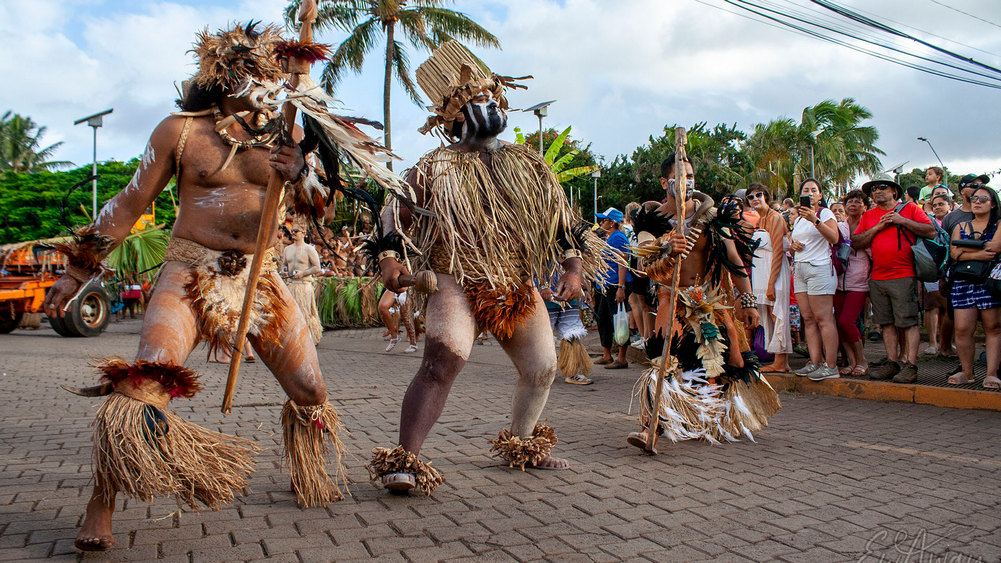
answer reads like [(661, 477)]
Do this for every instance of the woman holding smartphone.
[(815, 280)]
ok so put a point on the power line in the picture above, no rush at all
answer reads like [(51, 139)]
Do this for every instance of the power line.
[(964, 13), (781, 18), (883, 27)]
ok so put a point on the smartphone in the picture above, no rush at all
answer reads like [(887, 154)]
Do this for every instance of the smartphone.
[(804, 201)]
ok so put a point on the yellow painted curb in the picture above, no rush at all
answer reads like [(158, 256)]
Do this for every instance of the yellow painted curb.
[(887, 391)]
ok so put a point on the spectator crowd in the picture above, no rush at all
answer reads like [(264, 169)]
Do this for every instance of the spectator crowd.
[(829, 273)]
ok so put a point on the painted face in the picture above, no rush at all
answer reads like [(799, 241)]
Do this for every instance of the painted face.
[(668, 183), (257, 94), (483, 117)]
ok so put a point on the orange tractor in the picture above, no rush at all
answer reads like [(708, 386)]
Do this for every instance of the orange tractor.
[(27, 270)]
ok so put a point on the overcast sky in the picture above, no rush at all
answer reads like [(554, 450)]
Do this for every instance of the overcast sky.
[(620, 69)]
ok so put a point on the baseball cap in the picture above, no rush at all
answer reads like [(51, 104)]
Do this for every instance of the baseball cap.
[(611, 213), (973, 179)]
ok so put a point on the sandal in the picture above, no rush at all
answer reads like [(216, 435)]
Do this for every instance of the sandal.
[(845, 372), (860, 371), (399, 482), (103, 543), (961, 379), (992, 382)]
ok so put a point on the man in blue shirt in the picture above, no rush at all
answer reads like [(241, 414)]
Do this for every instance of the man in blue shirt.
[(607, 296)]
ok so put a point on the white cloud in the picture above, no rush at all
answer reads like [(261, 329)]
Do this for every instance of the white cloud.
[(620, 70)]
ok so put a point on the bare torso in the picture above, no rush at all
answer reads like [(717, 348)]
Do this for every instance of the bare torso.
[(220, 209), (693, 267)]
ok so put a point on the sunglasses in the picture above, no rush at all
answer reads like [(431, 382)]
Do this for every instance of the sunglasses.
[(880, 187), (756, 195), (980, 199)]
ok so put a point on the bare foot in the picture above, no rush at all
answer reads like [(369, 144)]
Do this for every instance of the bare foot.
[(550, 463), (95, 534), (775, 368)]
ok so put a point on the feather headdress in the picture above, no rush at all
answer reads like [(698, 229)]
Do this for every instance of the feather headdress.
[(229, 57)]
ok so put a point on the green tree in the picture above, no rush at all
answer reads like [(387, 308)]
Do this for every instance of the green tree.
[(570, 161), (425, 23), (843, 148), (829, 143), (31, 205), (720, 165), (20, 150)]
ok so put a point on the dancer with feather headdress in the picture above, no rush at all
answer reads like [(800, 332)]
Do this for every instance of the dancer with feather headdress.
[(223, 148), (499, 220), (714, 389)]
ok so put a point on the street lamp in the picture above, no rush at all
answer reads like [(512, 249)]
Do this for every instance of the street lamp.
[(540, 111), (945, 177), (94, 121), (596, 174)]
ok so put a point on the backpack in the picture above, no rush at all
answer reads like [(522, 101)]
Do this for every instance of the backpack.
[(931, 255)]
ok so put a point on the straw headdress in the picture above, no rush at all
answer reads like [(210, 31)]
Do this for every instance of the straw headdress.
[(228, 57), (451, 77)]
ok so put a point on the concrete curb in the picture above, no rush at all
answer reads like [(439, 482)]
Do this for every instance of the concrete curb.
[(886, 391)]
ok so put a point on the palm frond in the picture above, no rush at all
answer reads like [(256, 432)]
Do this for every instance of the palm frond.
[(401, 65), (459, 25), (554, 148), (350, 54)]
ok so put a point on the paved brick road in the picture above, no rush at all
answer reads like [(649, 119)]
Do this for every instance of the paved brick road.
[(831, 480)]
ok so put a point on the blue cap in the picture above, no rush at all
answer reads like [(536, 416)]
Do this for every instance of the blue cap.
[(611, 213)]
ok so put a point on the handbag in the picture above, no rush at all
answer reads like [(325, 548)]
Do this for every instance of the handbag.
[(993, 281), (972, 271)]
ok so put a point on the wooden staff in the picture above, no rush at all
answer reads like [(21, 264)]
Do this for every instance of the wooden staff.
[(269, 214), (680, 191)]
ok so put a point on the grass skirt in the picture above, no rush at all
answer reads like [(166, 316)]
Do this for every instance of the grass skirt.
[(310, 433), (148, 452)]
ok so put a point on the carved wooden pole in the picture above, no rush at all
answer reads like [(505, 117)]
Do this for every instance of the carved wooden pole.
[(269, 213), (680, 191)]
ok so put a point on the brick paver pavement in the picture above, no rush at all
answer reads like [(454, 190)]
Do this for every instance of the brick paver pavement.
[(831, 480)]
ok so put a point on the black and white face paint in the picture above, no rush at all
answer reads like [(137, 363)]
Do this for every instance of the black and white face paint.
[(483, 120), (689, 187)]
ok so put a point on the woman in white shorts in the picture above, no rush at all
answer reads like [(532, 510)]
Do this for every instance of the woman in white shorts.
[(815, 281)]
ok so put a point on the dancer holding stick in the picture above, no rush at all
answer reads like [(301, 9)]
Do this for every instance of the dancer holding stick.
[(705, 383)]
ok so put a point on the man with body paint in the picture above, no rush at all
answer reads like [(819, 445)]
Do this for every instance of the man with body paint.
[(222, 155), (499, 219), (715, 390)]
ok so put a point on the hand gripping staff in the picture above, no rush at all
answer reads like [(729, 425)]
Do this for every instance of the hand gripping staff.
[(680, 188), (296, 67)]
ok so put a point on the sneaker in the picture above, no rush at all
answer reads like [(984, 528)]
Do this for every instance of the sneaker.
[(885, 371), (578, 379), (639, 344), (824, 372), (411, 348), (907, 374), (806, 370), (392, 344)]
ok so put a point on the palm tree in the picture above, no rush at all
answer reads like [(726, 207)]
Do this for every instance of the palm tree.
[(425, 23), (19, 146), (842, 147)]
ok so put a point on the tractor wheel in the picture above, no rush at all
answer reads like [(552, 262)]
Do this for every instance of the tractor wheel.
[(9, 320), (90, 312)]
